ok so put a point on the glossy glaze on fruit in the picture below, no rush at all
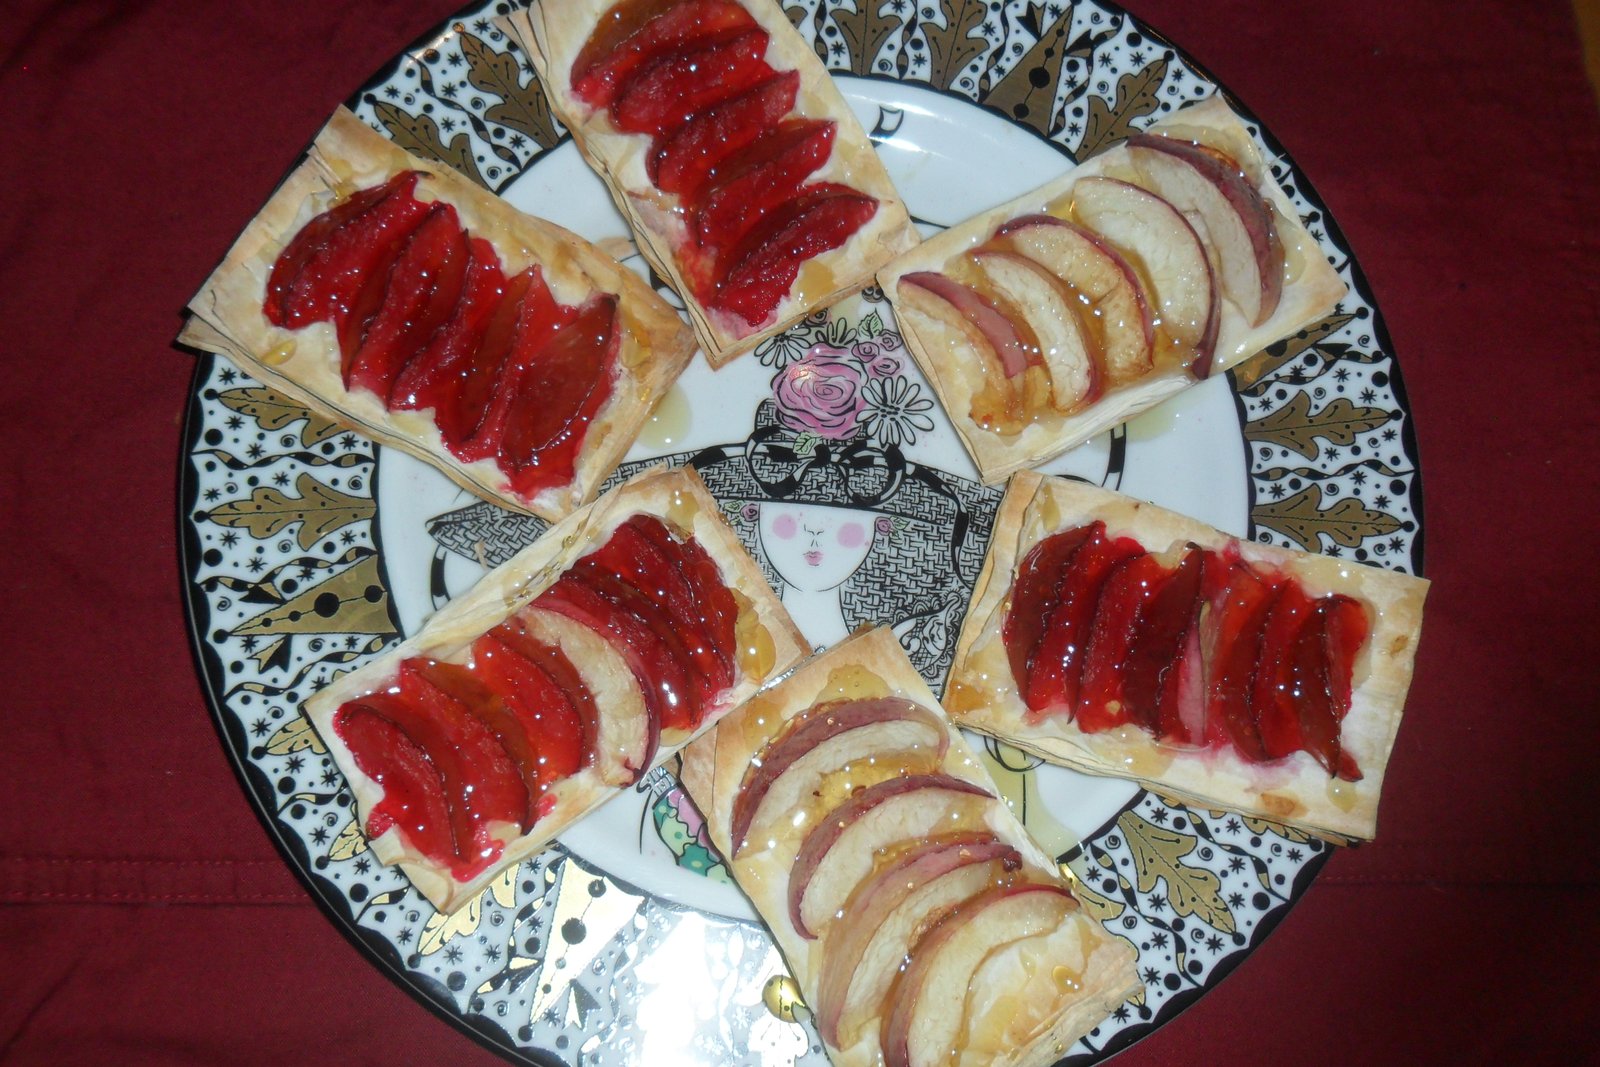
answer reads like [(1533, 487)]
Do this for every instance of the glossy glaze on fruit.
[(726, 146), (467, 753), (893, 852), (1119, 279), (1206, 650), (427, 320)]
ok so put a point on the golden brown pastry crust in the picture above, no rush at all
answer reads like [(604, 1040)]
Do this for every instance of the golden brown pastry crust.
[(677, 496), (1295, 791), (553, 32), (304, 364), (871, 664), (946, 359)]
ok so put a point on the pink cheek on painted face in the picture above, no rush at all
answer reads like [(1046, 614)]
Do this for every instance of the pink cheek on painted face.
[(852, 535), (784, 526)]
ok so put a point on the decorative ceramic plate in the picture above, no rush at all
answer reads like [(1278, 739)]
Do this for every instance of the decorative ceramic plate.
[(309, 550)]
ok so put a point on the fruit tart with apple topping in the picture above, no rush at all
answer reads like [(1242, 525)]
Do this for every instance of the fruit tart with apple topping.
[(564, 675), (922, 923), (1118, 638), (390, 294), (749, 183), (1156, 264)]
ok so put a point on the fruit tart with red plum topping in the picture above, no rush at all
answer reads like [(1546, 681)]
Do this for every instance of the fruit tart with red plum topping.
[(1156, 264), (749, 183), (1118, 638), (392, 295), (922, 923), (564, 675)]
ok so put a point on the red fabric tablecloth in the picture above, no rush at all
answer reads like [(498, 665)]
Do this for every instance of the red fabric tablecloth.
[(144, 915)]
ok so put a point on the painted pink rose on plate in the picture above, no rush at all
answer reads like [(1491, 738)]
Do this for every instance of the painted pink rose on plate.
[(821, 393)]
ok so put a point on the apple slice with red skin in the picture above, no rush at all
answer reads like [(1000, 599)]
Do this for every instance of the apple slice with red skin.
[(433, 377), (1056, 670), (310, 245), (1117, 618), (759, 178), (1115, 306), (627, 732), (1161, 683), (663, 95), (945, 312), (1236, 625), (756, 277), (683, 162), (719, 612), (1183, 289), (555, 396), (423, 290), (825, 738), (1230, 214), (545, 692), (1038, 298), (622, 616), (460, 685), (413, 792), (889, 911), (883, 814), (1031, 595), (635, 32), (926, 1007)]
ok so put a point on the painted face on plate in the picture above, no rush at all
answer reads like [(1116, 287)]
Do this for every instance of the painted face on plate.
[(813, 546)]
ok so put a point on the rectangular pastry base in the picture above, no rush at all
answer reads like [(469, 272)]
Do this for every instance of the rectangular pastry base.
[(1295, 791), (304, 364), (677, 496)]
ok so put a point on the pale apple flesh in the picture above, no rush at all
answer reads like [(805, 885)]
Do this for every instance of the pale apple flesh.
[(926, 1008), (996, 403), (1164, 243), (827, 738), (838, 853), (627, 735), (1116, 308), (1229, 213), (889, 911), (1039, 299)]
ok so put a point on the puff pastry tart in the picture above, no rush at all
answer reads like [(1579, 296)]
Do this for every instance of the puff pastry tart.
[(391, 294), (1069, 310), (748, 181), (1118, 638), (630, 627), (921, 922)]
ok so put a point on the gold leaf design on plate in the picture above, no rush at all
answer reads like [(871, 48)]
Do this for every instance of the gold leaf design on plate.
[(498, 73), (1302, 517), (864, 29), (953, 45), (1137, 96), (1102, 908), (1276, 355), (274, 411), (318, 509), (1295, 427), (1158, 854), (419, 135), (350, 842), (1027, 91), (441, 929), (1266, 826), (353, 601), (293, 736)]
